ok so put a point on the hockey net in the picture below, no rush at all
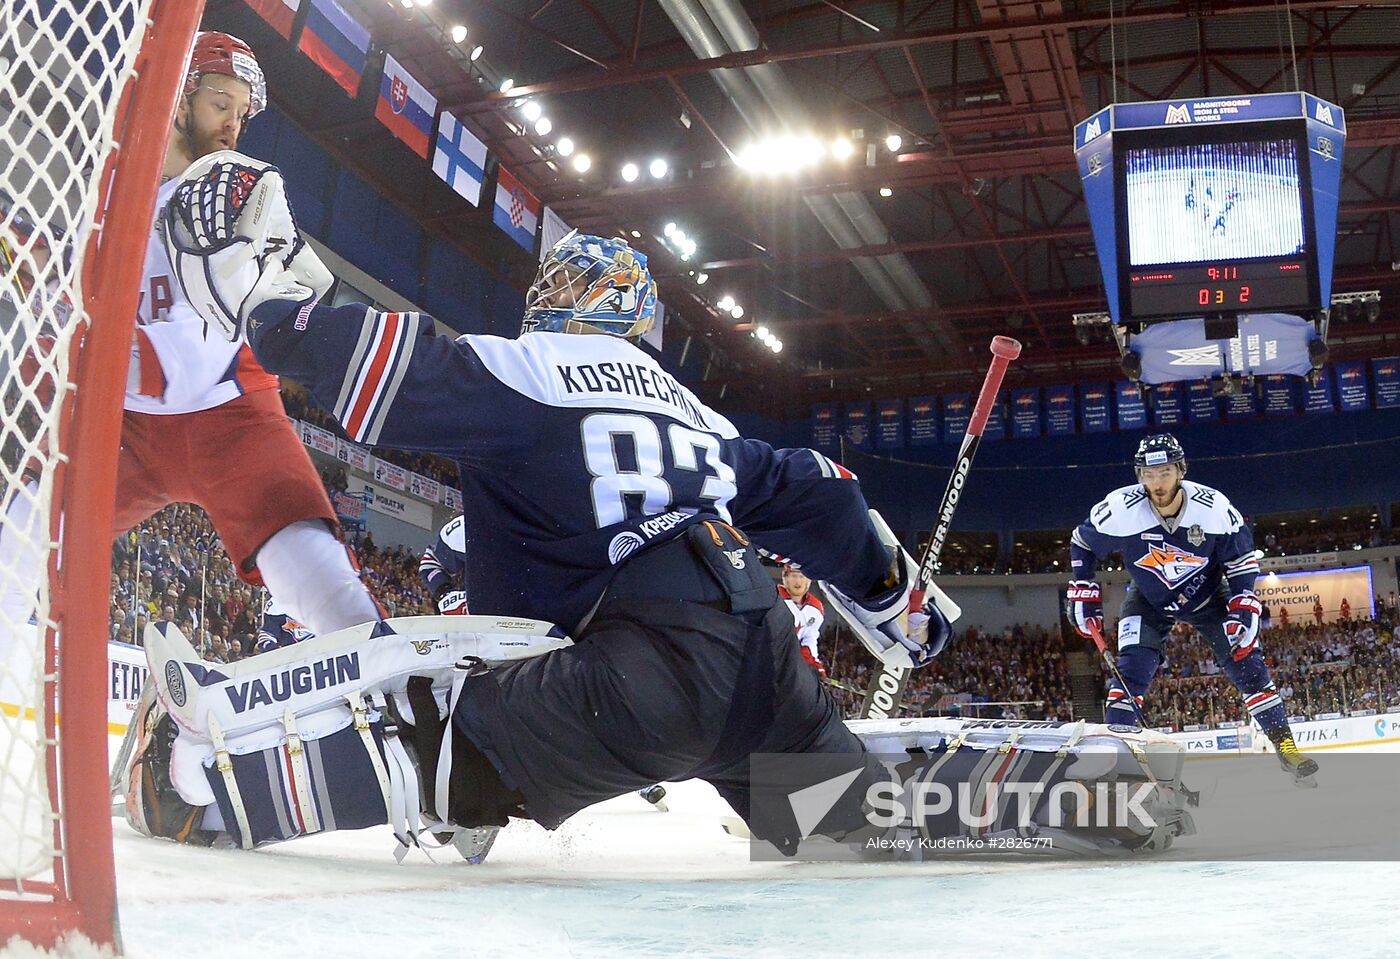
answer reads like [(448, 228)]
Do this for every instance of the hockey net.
[(87, 92)]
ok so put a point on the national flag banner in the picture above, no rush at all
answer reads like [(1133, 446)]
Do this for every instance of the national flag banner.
[(459, 159), (517, 209), (957, 411), (824, 437), (1093, 400), (1276, 395), (1025, 413), (1132, 407), (855, 431), (336, 42), (280, 14), (923, 421), (1385, 371), (405, 106), (1317, 397), (552, 230), (1059, 410), (889, 424), (1353, 392), (1200, 402), (1167, 409), (1240, 405)]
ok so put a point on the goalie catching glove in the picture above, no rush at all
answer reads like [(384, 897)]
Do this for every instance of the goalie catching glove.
[(876, 619), (233, 242)]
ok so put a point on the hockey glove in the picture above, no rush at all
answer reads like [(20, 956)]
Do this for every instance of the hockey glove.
[(1242, 624), (876, 619), (233, 243), (1084, 607), (453, 603)]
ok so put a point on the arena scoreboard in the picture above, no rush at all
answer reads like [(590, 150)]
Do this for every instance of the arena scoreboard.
[(1215, 207)]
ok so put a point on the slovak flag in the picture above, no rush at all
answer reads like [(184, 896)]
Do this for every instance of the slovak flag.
[(459, 158), (405, 107), (517, 210)]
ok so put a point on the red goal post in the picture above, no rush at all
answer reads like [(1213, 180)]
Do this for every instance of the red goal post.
[(87, 94)]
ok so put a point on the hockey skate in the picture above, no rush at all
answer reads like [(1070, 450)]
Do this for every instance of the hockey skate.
[(1300, 767), (475, 844)]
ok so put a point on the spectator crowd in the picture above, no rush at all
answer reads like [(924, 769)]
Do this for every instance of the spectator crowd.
[(171, 569)]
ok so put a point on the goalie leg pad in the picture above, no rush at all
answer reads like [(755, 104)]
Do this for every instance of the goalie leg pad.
[(1079, 788), (305, 786)]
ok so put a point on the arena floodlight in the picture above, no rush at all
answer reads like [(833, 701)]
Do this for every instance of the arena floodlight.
[(565, 147), (726, 303), (459, 33), (507, 85), (841, 148), (886, 191), (531, 111), (702, 278), (670, 228), (763, 334), (582, 162), (893, 142), (630, 172), (776, 346), (477, 51), (658, 168)]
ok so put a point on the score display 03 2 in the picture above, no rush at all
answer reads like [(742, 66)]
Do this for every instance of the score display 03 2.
[(1230, 287)]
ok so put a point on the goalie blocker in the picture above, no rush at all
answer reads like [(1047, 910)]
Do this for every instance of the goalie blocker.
[(351, 730)]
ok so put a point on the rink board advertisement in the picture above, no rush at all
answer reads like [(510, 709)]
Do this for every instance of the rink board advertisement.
[(1299, 592), (392, 503)]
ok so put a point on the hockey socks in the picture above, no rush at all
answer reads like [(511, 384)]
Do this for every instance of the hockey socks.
[(314, 577)]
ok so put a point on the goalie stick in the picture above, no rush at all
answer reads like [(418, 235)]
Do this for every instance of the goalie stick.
[(888, 682)]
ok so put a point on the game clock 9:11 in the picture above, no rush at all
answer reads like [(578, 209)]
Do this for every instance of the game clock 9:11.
[(1183, 291)]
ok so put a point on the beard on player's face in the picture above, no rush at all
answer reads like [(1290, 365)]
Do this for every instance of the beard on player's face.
[(212, 117), (1162, 484)]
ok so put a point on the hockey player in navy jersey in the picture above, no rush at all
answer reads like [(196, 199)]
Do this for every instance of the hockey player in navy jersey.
[(1191, 558), (601, 495), (442, 565)]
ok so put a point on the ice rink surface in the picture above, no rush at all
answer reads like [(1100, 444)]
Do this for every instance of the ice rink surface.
[(624, 880)]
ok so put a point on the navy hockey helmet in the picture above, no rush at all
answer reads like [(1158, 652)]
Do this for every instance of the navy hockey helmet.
[(1161, 449), (588, 284)]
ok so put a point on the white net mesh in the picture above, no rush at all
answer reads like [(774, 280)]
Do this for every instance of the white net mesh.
[(63, 65)]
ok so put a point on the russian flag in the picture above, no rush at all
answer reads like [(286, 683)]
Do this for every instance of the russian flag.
[(517, 210), (280, 14), (459, 159), (336, 42), (405, 106)]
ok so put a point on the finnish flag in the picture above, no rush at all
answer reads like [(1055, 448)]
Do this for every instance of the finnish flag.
[(459, 159)]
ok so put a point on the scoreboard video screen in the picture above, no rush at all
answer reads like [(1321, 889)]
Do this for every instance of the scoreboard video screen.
[(1218, 226)]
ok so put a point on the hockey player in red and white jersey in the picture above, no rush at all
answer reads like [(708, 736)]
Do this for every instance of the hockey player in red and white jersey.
[(808, 614), (204, 422)]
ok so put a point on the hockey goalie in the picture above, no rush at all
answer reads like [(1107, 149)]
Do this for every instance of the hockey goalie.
[(613, 525)]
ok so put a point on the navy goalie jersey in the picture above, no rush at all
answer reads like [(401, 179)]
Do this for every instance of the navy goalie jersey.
[(574, 453), (1176, 565)]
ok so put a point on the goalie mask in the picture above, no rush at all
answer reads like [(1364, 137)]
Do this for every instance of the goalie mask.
[(587, 284), (226, 55)]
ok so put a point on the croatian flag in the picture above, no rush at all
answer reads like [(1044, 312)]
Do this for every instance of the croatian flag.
[(279, 13), (517, 211), (336, 42), (459, 159), (405, 107)]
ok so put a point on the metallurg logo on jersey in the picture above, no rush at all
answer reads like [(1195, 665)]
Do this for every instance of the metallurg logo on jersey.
[(1170, 564)]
